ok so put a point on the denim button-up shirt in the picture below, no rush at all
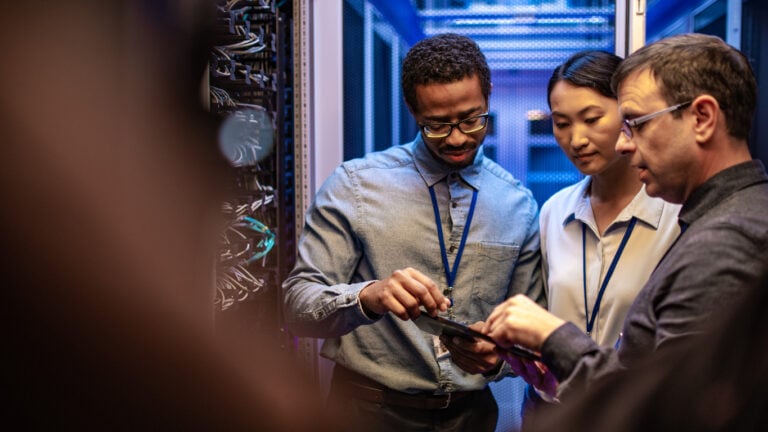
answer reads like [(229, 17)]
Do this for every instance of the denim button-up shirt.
[(374, 216)]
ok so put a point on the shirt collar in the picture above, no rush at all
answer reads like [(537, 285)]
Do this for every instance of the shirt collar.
[(433, 170), (646, 209), (579, 208), (719, 187)]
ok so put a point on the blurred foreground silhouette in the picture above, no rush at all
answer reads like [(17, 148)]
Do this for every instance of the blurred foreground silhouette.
[(110, 188)]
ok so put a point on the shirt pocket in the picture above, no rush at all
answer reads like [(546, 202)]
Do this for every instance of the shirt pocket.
[(495, 265)]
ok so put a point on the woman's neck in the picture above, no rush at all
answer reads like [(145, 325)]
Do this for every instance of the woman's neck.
[(611, 191)]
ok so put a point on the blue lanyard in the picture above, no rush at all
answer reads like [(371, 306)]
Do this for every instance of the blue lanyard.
[(591, 321), (450, 274)]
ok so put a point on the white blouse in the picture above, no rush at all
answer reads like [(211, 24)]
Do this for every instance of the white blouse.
[(561, 220)]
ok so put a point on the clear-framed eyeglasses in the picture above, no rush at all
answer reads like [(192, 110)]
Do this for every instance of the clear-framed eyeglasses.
[(628, 124), (468, 125)]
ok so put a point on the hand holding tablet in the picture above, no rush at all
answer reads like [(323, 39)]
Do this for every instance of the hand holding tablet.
[(442, 326)]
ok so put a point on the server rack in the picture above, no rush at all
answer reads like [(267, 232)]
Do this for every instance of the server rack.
[(250, 86)]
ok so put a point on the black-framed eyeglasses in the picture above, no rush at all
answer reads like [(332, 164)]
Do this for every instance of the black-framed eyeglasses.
[(627, 124), (468, 125)]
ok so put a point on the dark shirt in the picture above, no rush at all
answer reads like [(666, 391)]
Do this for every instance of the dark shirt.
[(714, 261)]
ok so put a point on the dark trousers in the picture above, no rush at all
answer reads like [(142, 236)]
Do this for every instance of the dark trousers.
[(372, 407)]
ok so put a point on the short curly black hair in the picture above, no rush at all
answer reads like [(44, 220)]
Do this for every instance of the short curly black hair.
[(444, 58)]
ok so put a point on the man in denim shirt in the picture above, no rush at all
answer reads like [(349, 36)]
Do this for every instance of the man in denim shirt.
[(372, 254), (687, 103)]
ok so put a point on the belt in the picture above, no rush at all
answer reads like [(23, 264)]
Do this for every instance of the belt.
[(357, 386)]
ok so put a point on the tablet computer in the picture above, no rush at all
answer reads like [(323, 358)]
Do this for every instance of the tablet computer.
[(443, 326)]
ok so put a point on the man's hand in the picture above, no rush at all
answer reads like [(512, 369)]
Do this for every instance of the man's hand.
[(472, 355), (403, 293), (520, 321), (534, 373)]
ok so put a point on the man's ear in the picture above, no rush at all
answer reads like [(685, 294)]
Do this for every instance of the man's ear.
[(706, 111)]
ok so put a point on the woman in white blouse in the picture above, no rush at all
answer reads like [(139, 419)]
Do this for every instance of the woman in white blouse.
[(601, 237), (591, 278)]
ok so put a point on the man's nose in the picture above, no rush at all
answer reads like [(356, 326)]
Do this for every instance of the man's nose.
[(456, 137), (624, 144)]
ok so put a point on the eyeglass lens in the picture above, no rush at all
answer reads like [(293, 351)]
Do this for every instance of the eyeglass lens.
[(467, 126), (628, 124)]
